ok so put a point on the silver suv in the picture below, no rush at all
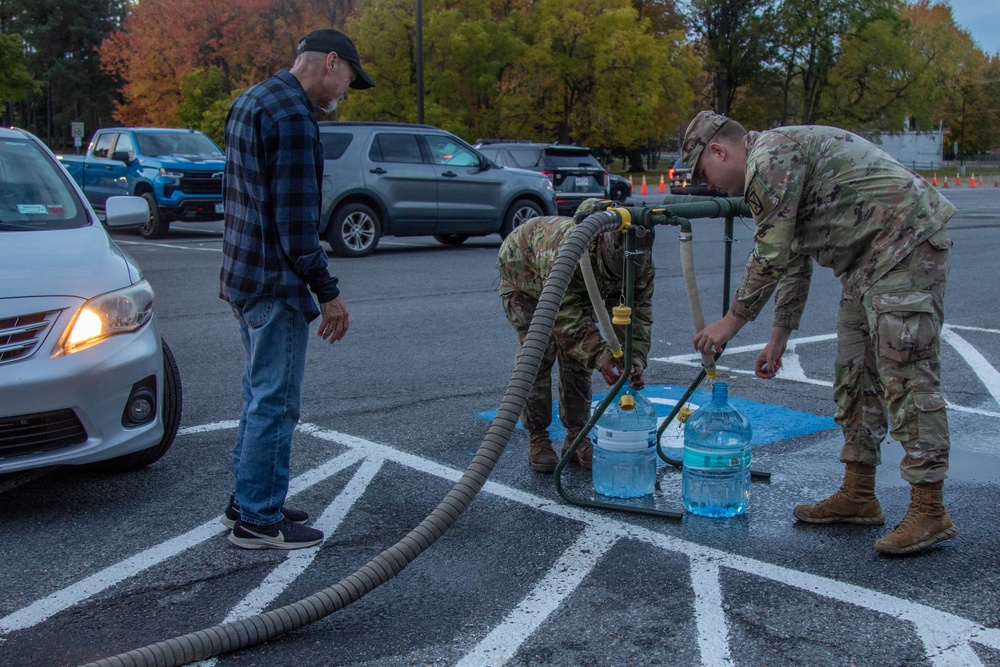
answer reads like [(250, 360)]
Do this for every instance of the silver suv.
[(399, 179), (575, 173)]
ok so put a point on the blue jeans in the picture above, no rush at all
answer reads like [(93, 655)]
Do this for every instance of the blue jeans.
[(274, 338)]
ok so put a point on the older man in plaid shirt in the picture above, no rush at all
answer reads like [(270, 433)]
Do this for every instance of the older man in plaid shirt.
[(272, 260)]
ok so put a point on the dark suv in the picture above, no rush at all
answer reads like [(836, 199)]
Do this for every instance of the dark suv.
[(684, 182), (400, 179), (574, 171)]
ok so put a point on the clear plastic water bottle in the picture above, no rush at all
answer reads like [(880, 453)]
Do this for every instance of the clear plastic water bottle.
[(716, 476), (624, 438)]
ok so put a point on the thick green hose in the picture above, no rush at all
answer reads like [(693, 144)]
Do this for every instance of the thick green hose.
[(264, 627)]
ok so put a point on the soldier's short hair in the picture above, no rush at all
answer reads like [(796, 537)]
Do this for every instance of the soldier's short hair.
[(589, 206)]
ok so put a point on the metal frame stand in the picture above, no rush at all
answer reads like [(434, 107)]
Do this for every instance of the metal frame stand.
[(728, 208)]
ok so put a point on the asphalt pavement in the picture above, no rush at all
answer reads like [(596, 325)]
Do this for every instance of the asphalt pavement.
[(95, 564)]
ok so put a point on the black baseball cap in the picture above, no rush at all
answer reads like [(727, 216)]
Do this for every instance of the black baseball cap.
[(329, 40)]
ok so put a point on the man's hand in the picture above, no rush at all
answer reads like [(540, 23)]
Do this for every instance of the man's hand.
[(614, 368), (333, 324), (711, 339), (769, 360)]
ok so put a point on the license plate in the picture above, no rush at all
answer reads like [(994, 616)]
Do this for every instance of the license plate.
[(218, 208), (582, 181)]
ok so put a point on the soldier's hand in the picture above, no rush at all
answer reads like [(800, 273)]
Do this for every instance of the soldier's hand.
[(769, 360), (711, 339), (636, 379), (612, 371), (334, 322)]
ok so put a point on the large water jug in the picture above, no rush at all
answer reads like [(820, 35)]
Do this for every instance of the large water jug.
[(624, 438), (716, 476)]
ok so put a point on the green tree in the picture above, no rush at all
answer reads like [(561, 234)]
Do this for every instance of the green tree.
[(735, 42), (62, 37), (16, 82)]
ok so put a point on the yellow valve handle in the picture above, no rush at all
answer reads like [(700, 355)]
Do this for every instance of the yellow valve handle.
[(618, 354), (627, 402), (683, 414), (621, 315)]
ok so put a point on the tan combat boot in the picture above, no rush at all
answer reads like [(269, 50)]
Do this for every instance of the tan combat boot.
[(541, 456), (853, 502), (584, 454), (926, 523)]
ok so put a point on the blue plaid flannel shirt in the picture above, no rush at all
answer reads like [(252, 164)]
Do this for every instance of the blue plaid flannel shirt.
[(272, 192)]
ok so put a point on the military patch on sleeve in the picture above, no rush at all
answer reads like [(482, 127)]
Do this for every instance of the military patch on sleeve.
[(759, 198)]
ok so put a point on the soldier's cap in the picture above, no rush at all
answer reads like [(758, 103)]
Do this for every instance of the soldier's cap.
[(334, 41), (589, 206), (698, 135)]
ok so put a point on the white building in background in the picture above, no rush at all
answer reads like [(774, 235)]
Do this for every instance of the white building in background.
[(916, 150)]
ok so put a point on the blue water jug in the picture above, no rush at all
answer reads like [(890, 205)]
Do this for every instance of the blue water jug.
[(716, 476), (624, 439)]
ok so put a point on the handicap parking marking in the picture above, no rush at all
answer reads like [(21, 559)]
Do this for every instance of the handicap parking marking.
[(770, 423)]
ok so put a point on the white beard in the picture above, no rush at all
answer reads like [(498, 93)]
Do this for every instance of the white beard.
[(331, 107)]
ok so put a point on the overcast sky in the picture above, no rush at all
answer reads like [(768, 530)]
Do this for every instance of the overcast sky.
[(981, 18)]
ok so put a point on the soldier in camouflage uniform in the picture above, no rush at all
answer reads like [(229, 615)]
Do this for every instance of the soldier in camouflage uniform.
[(825, 194), (525, 259)]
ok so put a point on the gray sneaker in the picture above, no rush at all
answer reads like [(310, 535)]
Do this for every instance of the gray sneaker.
[(281, 535), (232, 514)]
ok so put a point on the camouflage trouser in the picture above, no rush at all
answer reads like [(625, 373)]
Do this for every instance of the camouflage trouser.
[(888, 345), (574, 377)]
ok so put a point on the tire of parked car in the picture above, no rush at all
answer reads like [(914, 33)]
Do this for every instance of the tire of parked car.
[(172, 405), (354, 231), (451, 239), (157, 227), (519, 213), (619, 192)]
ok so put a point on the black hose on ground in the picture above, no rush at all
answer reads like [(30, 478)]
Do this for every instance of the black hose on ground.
[(272, 624)]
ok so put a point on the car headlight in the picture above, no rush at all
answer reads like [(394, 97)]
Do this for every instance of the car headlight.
[(118, 312), (176, 175)]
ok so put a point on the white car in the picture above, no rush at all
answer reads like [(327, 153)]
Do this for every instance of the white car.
[(84, 374)]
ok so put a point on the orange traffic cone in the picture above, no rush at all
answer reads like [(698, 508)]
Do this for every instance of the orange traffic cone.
[(980, 181), (630, 186), (958, 181), (946, 183), (934, 182), (996, 184), (645, 190), (972, 181), (663, 187)]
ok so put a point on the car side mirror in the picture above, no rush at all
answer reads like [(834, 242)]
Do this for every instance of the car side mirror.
[(122, 156)]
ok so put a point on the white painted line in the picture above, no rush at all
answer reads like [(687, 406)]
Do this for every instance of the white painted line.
[(549, 593), (102, 580), (709, 615), (967, 328), (297, 562), (943, 634), (980, 366), (757, 347), (168, 245)]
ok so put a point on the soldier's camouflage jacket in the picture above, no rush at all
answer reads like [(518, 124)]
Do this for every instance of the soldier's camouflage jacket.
[(527, 256), (826, 194)]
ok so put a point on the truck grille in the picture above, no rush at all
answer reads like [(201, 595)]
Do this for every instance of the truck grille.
[(20, 335), (40, 432), (201, 183)]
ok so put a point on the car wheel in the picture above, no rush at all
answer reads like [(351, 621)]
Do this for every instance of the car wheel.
[(354, 231), (519, 213), (451, 239), (619, 193), (157, 227), (172, 404)]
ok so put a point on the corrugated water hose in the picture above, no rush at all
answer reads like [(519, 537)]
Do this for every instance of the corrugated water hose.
[(380, 569)]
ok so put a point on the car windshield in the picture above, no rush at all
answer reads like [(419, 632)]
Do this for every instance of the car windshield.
[(35, 194), (176, 143)]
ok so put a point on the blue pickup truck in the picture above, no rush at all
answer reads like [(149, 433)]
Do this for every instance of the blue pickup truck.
[(179, 172)]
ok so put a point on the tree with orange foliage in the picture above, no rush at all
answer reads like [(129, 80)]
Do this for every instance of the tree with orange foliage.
[(162, 42)]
